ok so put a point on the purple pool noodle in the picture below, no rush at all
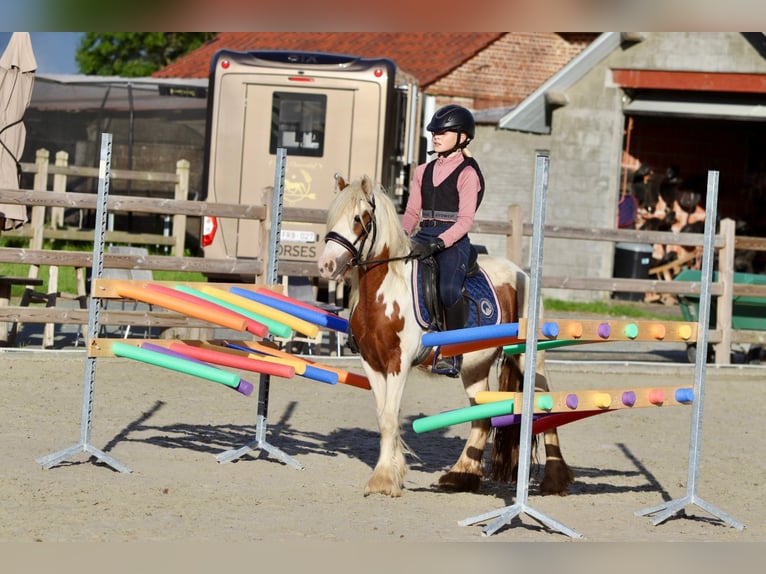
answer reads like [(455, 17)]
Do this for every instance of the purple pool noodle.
[(628, 398), (244, 387), (604, 330), (508, 420), (505, 420), (550, 330), (685, 395), (572, 401)]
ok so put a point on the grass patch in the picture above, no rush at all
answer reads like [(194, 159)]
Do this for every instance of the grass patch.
[(614, 309), (67, 280)]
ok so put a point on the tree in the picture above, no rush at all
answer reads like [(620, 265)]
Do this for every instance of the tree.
[(134, 54)]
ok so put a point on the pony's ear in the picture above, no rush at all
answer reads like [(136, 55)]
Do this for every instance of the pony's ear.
[(367, 186), (340, 182)]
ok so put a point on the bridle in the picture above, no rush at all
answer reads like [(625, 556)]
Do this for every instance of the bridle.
[(369, 231)]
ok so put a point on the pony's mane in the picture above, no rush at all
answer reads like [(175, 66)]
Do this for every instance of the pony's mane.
[(352, 200)]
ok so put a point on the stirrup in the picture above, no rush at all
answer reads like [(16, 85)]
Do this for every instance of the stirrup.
[(449, 366)]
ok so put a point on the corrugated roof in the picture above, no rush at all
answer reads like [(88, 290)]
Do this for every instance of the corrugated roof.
[(426, 55)]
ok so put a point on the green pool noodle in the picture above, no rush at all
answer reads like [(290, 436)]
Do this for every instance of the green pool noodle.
[(631, 330), (182, 366), (517, 348), (275, 328), (544, 402), (485, 411)]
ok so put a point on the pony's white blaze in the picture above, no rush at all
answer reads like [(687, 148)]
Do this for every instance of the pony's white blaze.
[(366, 242), (334, 259)]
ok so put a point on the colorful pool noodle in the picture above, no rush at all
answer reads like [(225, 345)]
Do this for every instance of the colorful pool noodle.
[(306, 312), (485, 333), (469, 346), (301, 368), (275, 327), (244, 387), (234, 361), (516, 348), (252, 326), (510, 346), (463, 415), (584, 400), (182, 366), (344, 376), (308, 329), (131, 291), (282, 297)]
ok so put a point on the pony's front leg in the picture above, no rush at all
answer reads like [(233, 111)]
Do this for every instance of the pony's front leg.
[(388, 476)]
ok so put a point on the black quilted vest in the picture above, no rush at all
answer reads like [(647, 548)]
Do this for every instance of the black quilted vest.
[(443, 198)]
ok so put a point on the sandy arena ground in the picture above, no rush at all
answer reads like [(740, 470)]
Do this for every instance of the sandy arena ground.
[(168, 427)]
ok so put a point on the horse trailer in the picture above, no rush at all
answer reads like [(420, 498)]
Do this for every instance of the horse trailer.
[(332, 114)]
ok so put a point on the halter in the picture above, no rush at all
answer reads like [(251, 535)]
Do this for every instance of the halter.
[(356, 252)]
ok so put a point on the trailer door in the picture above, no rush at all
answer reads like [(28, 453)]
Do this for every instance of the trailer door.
[(315, 126)]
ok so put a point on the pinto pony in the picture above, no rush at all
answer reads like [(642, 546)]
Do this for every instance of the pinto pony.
[(366, 241)]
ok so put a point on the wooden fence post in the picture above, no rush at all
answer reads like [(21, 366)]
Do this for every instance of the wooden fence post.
[(182, 194), (59, 184), (725, 302), (38, 211)]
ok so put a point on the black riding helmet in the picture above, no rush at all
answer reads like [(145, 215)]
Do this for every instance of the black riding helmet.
[(453, 118)]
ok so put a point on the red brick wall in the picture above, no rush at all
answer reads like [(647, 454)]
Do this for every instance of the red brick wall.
[(509, 69)]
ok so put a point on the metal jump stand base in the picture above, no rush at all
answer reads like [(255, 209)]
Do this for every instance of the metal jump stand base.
[(260, 443), (668, 509), (505, 515), (51, 460)]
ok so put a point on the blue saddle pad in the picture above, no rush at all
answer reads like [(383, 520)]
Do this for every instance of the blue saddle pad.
[(484, 308)]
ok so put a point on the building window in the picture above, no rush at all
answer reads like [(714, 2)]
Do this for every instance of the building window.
[(297, 123)]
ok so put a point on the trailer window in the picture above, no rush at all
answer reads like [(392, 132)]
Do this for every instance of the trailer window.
[(297, 123)]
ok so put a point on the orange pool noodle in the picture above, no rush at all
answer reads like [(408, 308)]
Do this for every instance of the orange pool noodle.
[(345, 377), (130, 291), (657, 396), (469, 346), (657, 331), (252, 326)]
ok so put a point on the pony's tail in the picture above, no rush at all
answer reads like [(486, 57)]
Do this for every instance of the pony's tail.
[(504, 462)]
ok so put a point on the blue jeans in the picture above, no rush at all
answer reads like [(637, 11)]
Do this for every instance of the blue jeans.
[(453, 264)]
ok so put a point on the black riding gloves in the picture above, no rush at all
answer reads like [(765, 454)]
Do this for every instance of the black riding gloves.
[(423, 250)]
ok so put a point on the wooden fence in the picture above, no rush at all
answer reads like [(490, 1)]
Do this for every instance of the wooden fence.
[(722, 336)]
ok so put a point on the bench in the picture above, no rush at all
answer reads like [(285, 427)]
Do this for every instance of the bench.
[(668, 271)]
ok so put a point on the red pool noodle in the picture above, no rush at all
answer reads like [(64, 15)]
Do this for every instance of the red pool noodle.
[(234, 361), (139, 293), (558, 419), (252, 326)]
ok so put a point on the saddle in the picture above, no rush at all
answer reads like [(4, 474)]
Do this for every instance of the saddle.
[(483, 307)]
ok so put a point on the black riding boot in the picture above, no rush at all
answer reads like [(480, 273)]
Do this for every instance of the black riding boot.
[(454, 318)]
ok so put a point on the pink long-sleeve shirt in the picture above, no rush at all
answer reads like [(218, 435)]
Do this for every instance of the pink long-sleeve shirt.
[(468, 186)]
